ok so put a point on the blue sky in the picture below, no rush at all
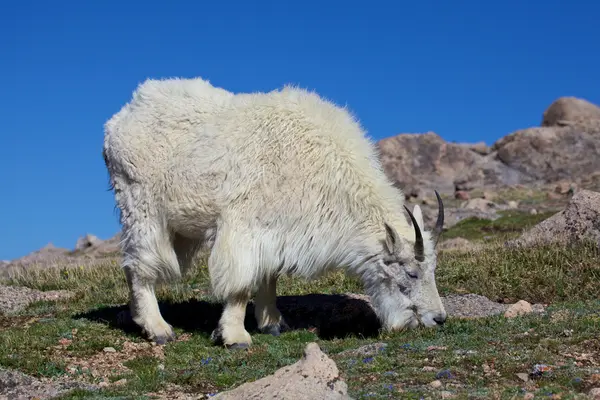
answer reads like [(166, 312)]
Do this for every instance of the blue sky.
[(468, 70)]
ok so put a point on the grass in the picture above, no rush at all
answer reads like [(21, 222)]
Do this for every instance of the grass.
[(509, 225), (472, 358)]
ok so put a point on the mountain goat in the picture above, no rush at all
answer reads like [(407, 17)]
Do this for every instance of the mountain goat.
[(283, 182)]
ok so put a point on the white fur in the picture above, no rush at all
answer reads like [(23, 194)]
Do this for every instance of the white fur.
[(273, 183)]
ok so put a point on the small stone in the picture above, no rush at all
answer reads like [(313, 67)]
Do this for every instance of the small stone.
[(513, 205), (521, 307), (595, 393), (488, 195), (103, 384), (528, 396), (523, 376), (447, 395), (120, 382), (461, 195), (436, 384), (109, 350), (428, 369), (533, 211)]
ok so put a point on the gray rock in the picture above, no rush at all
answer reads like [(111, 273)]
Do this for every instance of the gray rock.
[(580, 220), (87, 241), (315, 376)]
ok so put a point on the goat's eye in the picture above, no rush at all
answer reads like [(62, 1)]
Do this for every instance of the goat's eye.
[(412, 275)]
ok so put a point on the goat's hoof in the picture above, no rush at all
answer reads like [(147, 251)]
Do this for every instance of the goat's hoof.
[(167, 335), (164, 339), (275, 329), (237, 346)]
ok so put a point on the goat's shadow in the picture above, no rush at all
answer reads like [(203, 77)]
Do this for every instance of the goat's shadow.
[(329, 316)]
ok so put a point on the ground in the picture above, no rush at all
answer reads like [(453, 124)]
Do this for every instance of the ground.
[(85, 338)]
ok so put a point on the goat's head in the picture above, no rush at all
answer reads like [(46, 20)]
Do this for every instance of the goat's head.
[(402, 283)]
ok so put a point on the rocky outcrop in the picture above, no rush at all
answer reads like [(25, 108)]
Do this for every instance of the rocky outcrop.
[(315, 376), (552, 153), (566, 146), (428, 162), (87, 248), (579, 221)]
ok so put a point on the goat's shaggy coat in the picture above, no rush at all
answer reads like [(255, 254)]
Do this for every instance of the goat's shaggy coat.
[(273, 183)]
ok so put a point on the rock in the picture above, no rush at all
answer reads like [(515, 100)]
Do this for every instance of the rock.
[(489, 195), (461, 195), (565, 110), (109, 350), (512, 204), (16, 385), (523, 376), (480, 204), (551, 153), (529, 396), (594, 393), (471, 306), (564, 187), (315, 376), (436, 384), (87, 241), (48, 254), (533, 211), (447, 395), (425, 160), (16, 298), (580, 220), (480, 148), (519, 308)]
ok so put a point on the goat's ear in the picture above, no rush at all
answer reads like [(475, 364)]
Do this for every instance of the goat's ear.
[(392, 241), (418, 214)]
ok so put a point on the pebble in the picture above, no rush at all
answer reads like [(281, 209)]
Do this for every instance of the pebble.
[(519, 308), (523, 376), (109, 350), (436, 384)]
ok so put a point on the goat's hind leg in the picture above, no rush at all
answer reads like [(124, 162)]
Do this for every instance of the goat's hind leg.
[(267, 315), (148, 256)]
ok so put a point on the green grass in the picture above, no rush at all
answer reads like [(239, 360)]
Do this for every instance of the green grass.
[(473, 358), (509, 225)]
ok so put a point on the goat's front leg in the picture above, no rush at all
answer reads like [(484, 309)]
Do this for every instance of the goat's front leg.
[(231, 331)]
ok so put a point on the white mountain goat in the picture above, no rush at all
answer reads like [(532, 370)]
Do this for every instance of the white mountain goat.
[(273, 183)]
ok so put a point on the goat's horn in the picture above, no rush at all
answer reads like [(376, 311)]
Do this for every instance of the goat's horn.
[(419, 250), (439, 225)]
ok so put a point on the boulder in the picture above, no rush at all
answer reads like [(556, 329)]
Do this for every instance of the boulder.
[(315, 376), (567, 110), (580, 220), (87, 241)]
